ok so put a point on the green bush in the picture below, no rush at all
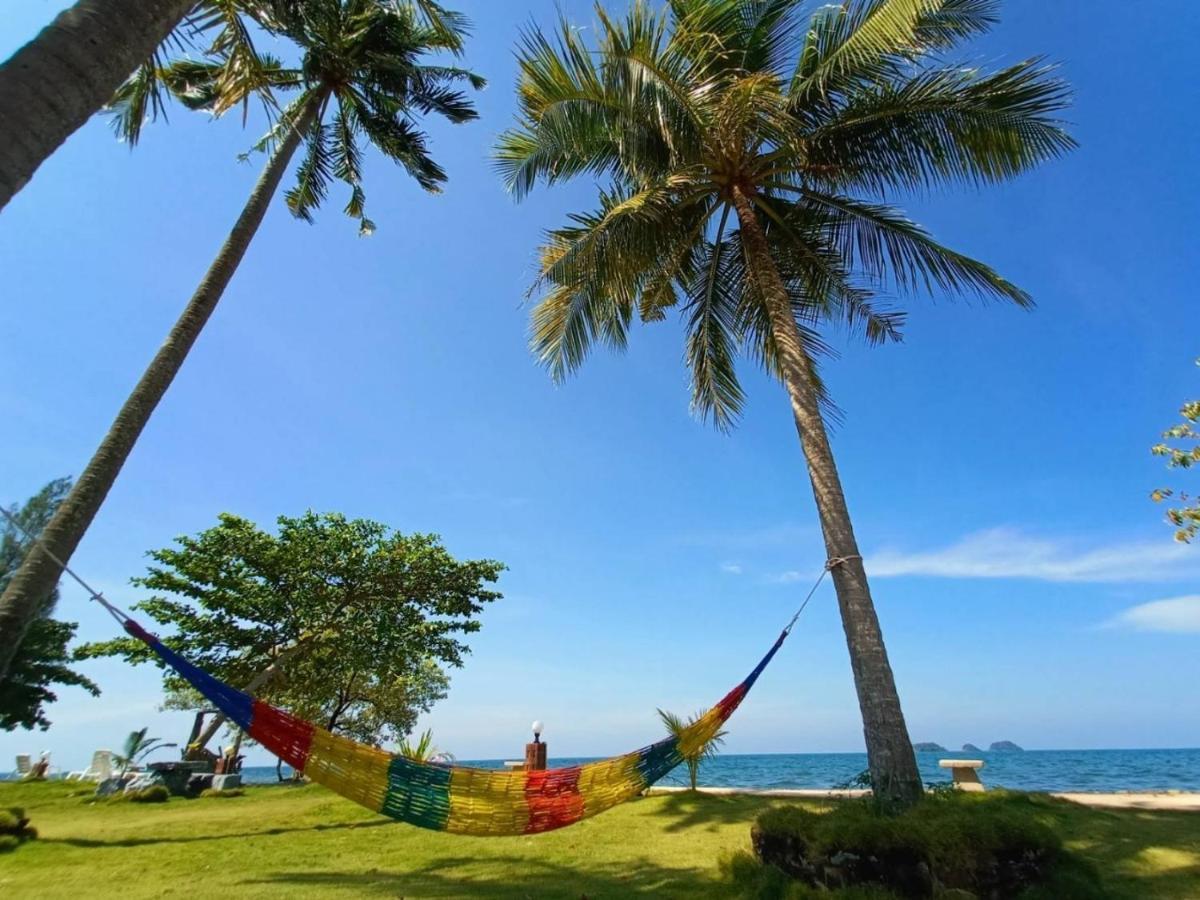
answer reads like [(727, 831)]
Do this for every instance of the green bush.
[(232, 792), (156, 793), (994, 843), (751, 880), (14, 829)]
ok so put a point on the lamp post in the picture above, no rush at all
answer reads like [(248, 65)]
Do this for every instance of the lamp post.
[(535, 753)]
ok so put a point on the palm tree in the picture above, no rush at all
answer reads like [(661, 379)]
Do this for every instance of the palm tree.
[(742, 154), (423, 750), (137, 748), (677, 726), (361, 77), (54, 83)]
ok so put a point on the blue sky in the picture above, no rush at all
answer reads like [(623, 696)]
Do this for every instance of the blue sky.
[(996, 462)]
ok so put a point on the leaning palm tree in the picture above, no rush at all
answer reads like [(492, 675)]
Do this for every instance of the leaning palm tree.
[(54, 83), (742, 154), (361, 78)]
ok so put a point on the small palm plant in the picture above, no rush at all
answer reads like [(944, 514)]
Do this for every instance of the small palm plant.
[(137, 748), (677, 726), (423, 750)]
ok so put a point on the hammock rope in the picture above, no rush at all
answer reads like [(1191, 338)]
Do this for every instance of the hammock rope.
[(456, 799)]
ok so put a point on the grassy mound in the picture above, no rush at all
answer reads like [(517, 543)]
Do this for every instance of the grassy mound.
[(989, 845), (14, 829), (156, 793)]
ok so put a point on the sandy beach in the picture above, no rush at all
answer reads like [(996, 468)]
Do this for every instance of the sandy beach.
[(1177, 801)]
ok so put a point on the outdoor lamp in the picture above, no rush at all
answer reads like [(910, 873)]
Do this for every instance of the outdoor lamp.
[(537, 732)]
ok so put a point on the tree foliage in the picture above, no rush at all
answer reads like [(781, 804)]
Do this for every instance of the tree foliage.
[(359, 619), (361, 65), (1181, 448), (43, 658), (819, 120)]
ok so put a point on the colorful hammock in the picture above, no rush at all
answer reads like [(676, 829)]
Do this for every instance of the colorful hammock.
[(458, 799)]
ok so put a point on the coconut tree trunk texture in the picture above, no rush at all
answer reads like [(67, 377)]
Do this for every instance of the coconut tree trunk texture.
[(54, 83), (39, 571), (890, 757)]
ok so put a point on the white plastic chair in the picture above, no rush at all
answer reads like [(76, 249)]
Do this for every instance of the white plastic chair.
[(100, 769), (24, 764)]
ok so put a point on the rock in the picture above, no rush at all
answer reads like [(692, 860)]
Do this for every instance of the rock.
[(201, 781), (226, 782), (140, 782), (1004, 745), (971, 748), (929, 747), (784, 851)]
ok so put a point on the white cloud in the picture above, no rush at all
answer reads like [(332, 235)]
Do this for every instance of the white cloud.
[(789, 577), (731, 568), (1008, 553), (1180, 615)]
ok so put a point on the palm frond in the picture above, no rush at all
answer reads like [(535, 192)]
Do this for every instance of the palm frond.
[(314, 173), (891, 249), (140, 99), (955, 21), (714, 336), (944, 125), (565, 119), (858, 40)]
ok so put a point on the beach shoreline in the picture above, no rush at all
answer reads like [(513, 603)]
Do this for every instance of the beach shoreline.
[(1169, 800)]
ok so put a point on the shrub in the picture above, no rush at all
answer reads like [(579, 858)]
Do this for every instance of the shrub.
[(992, 844), (14, 829), (156, 793), (217, 795), (751, 880)]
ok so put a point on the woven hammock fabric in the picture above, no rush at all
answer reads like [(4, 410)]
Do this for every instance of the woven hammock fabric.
[(459, 799)]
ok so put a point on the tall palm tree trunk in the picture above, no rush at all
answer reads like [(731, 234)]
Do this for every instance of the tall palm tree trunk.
[(40, 571), (54, 83), (890, 757)]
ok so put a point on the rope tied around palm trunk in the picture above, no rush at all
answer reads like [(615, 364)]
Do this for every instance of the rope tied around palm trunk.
[(93, 594), (830, 564)]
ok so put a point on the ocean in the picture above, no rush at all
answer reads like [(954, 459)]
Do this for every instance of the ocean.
[(1025, 770)]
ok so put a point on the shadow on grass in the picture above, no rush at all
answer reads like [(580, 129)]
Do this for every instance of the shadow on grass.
[(505, 878), (1140, 854), (690, 809), (223, 836)]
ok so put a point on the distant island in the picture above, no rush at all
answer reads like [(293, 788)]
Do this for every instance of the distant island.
[(1005, 745), (929, 747), (971, 748)]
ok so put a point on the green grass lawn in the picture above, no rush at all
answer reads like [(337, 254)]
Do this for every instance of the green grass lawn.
[(305, 841)]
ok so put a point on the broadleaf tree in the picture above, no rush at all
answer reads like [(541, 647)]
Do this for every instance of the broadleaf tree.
[(364, 78), (351, 623), (746, 156), (43, 660), (1180, 447)]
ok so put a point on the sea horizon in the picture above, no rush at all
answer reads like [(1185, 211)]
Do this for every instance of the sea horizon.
[(1101, 770)]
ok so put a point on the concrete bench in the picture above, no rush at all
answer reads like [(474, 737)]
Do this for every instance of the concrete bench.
[(965, 773)]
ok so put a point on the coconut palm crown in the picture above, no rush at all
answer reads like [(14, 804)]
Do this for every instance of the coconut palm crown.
[(746, 154), (360, 76)]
